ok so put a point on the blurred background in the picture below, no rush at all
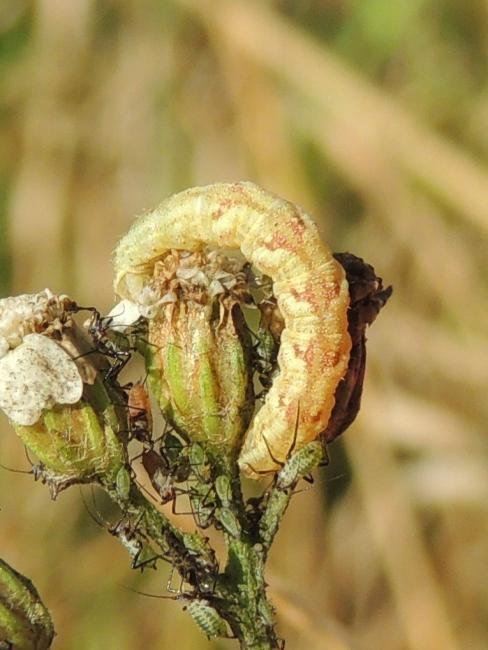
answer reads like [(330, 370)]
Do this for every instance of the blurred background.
[(371, 114)]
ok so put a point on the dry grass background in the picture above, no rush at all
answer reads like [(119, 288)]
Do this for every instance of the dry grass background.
[(374, 116)]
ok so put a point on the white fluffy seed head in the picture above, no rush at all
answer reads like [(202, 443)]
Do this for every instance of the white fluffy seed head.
[(37, 375)]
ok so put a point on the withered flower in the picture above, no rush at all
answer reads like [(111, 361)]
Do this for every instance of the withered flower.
[(53, 395)]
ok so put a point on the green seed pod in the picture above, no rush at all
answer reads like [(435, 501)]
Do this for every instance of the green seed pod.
[(198, 348), (76, 443), (25, 623), (198, 370), (54, 393), (207, 618)]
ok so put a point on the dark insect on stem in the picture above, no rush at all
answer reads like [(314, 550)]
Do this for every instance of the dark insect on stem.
[(40, 473), (161, 476), (136, 543), (112, 344), (139, 413), (201, 610), (115, 345), (194, 560), (177, 463), (131, 537)]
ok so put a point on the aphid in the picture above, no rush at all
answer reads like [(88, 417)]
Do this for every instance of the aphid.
[(161, 476), (208, 618), (140, 551), (225, 517), (223, 489), (112, 339), (168, 467), (136, 543), (140, 416), (282, 242), (202, 493), (131, 537), (123, 483), (299, 465), (203, 613), (265, 359), (226, 520), (176, 453), (195, 561)]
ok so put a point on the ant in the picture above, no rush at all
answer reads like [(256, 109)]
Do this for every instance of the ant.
[(109, 341)]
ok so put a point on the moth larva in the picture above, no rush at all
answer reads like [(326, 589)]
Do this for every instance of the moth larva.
[(283, 242)]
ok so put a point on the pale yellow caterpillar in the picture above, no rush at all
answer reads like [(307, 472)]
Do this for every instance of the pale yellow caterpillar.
[(283, 242)]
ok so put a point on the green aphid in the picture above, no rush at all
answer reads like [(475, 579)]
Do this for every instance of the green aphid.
[(207, 618), (229, 522), (203, 504), (223, 489), (123, 483), (299, 465), (199, 464)]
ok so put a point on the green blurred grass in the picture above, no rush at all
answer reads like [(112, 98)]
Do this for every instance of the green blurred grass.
[(374, 116)]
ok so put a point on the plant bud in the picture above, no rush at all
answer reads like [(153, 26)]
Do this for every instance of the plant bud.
[(25, 623), (197, 357), (54, 396)]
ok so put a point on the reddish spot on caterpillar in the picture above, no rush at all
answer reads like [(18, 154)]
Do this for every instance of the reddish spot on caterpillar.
[(330, 359), (330, 291), (298, 227), (277, 241), (225, 205)]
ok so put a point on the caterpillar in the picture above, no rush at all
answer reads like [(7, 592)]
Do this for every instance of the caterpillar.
[(281, 241)]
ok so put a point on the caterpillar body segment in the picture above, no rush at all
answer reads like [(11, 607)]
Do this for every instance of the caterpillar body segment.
[(282, 242)]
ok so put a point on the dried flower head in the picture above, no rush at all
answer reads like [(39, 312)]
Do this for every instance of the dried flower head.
[(55, 396), (36, 372), (41, 313)]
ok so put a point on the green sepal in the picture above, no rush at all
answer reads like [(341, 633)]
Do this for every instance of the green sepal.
[(199, 371), (77, 443), (25, 622)]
